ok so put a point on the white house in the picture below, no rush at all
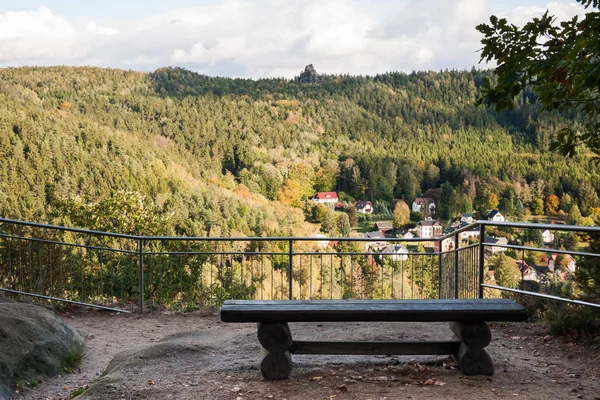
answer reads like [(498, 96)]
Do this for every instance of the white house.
[(429, 228), (571, 265), (322, 244), (495, 215), (467, 218), (447, 245), (548, 236), (424, 205), (326, 197), (528, 273), (408, 235), (494, 244), (364, 207), (374, 245), (394, 252)]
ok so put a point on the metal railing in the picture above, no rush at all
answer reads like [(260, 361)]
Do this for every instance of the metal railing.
[(136, 273)]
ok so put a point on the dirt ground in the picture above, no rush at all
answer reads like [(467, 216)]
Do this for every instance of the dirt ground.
[(195, 356)]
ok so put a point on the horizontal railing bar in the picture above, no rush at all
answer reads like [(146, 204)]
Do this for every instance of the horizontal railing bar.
[(543, 249), (545, 296), (283, 238), (41, 296), (63, 228), (553, 227), (287, 253), (85, 246), (458, 249), (229, 253)]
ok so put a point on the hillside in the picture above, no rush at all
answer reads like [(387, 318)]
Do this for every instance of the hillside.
[(232, 156)]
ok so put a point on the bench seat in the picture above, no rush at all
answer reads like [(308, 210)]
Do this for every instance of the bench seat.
[(467, 319), (460, 310)]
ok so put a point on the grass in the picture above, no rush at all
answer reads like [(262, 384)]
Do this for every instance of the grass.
[(80, 390), (72, 360)]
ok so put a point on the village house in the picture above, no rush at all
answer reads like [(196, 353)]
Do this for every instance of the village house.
[(364, 207), (326, 197), (429, 228), (407, 235), (464, 235), (447, 245), (394, 252), (374, 245), (528, 273), (495, 245), (424, 205), (384, 226), (495, 215), (339, 206), (548, 236), (570, 261), (467, 218), (322, 244)]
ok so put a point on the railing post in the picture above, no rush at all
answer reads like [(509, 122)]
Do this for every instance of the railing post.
[(141, 272), (440, 281), (290, 264), (456, 245), (481, 259)]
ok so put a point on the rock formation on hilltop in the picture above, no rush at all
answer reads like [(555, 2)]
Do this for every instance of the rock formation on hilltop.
[(309, 75)]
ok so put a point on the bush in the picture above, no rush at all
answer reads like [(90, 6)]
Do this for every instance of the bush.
[(579, 322)]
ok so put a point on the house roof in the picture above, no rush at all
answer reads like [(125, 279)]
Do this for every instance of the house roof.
[(426, 222), (374, 235), (493, 213), (394, 249), (363, 204), (424, 200), (554, 256), (326, 195), (495, 240), (523, 266), (384, 225)]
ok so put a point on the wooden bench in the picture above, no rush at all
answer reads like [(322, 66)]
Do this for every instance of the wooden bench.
[(467, 320)]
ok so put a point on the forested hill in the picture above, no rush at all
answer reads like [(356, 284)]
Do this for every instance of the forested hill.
[(234, 156)]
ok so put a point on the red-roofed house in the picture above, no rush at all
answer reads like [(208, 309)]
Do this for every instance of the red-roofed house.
[(527, 271), (326, 197)]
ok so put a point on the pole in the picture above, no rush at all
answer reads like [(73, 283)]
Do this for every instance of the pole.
[(290, 264), (456, 245), (141, 272), (481, 258)]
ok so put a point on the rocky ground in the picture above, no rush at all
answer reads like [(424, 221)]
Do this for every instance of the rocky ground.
[(195, 356)]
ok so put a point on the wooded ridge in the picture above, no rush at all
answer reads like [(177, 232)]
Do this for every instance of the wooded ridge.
[(223, 156)]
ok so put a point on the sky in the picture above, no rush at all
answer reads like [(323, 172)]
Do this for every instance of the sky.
[(257, 38)]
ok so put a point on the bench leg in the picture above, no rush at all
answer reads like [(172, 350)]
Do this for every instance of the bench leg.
[(472, 357), (276, 340)]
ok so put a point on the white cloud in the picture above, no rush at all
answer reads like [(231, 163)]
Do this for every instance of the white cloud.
[(562, 11), (266, 37), (100, 30)]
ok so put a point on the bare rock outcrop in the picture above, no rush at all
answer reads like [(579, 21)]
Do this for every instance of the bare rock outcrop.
[(34, 343)]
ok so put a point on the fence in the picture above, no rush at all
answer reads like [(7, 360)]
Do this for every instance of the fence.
[(135, 273)]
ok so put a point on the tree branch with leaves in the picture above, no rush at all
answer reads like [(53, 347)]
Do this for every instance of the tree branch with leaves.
[(559, 61)]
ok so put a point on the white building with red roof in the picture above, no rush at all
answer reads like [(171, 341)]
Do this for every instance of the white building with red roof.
[(326, 197)]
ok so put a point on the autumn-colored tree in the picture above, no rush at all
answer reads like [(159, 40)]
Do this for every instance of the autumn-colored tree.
[(552, 203), (401, 214)]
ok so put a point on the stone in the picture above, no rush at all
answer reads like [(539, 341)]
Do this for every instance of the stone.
[(34, 343)]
